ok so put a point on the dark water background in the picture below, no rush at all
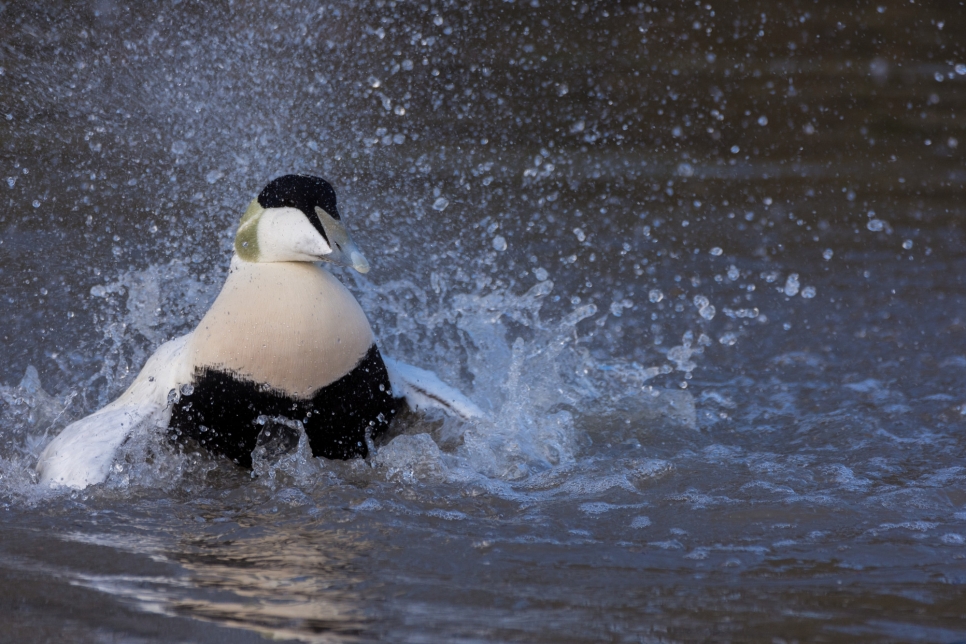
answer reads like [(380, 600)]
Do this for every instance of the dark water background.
[(553, 197)]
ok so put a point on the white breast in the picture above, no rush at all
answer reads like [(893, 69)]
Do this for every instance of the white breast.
[(290, 325)]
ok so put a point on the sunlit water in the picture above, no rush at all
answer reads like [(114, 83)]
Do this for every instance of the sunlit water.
[(701, 266)]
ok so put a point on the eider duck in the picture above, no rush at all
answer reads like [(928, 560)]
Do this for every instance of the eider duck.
[(283, 344)]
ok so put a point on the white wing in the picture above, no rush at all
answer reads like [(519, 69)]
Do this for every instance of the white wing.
[(83, 453), (423, 388)]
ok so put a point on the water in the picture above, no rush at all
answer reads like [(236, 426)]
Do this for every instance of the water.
[(700, 265)]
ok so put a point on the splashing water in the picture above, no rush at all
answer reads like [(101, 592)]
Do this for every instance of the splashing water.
[(530, 380), (708, 299)]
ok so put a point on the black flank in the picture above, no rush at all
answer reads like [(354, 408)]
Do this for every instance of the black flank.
[(221, 412)]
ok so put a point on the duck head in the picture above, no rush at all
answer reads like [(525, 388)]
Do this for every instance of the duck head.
[(295, 219)]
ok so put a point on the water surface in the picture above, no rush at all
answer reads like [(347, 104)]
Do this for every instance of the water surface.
[(701, 265)]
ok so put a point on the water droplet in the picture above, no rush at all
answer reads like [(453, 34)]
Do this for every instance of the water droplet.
[(791, 285), (187, 389), (716, 251), (580, 234), (43, 291), (541, 274), (875, 225), (438, 20), (704, 307), (828, 253), (655, 295), (399, 110), (11, 181), (808, 292), (440, 204), (735, 149), (728, 339), (762, 120), (907, 244), (407, 65), (36, 203), (499, 243)]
